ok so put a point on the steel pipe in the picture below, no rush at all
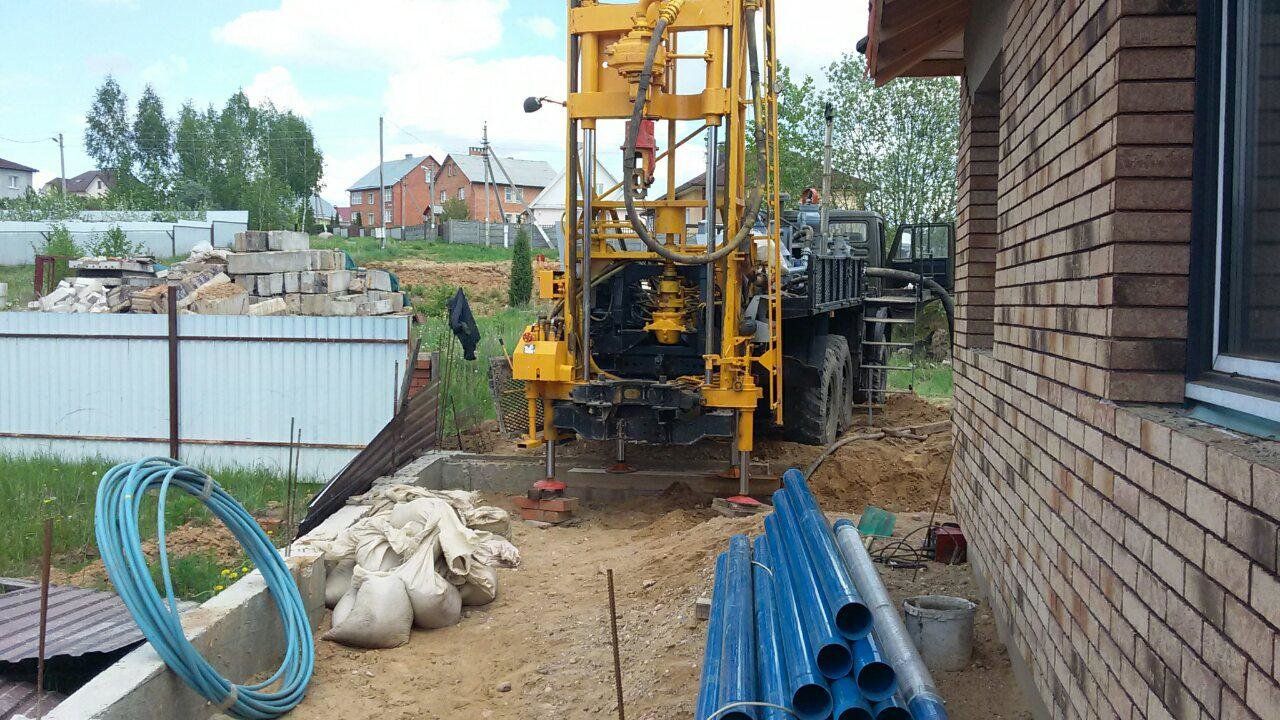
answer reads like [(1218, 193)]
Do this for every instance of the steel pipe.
[(810, 697), (771, 677), (709, 685), (828, 649), (738, 650), (849, 702), (918, 689), (852, 617)]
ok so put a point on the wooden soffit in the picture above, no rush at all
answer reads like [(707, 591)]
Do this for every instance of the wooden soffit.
[(916, 38)]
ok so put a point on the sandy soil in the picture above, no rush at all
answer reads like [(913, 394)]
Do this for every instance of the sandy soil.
[(541, 649), (474, 277)]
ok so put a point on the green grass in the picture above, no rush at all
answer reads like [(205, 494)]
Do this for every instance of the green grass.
[(35, 488), (19, 278), (932, 379), (368, 249), (467, 399)]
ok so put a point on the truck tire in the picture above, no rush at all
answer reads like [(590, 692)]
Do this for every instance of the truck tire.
[(871, 383), (812, 410), (848, 380)]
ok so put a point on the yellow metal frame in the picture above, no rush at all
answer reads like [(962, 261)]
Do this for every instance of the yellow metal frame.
[(547, 358)]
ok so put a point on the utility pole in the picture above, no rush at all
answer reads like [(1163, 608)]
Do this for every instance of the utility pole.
[(62, 161), (484, 152), (382, 189)]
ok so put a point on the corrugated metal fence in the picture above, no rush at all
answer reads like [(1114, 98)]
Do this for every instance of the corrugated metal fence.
[(21, 241), (80, 385)]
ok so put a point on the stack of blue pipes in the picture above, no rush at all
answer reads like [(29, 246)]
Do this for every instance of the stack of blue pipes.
[(802, 627)]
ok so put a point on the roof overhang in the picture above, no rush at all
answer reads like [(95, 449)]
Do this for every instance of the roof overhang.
[(916, 38)]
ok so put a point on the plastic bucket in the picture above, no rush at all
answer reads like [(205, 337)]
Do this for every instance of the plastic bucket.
[(941, 627)]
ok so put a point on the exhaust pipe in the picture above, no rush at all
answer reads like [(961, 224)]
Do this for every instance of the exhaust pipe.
[(918, 689)]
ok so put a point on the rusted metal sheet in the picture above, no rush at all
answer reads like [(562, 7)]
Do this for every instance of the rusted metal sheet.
[(20, 698), (414, 429), (81, 621)]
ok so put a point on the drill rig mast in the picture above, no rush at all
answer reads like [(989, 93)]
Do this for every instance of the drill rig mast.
[(658, 334)]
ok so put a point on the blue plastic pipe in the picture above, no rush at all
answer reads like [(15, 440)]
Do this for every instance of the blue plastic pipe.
[(891, 709), (849, 702), (829, 651), (771, 675), (738, 649), (810, 697), (852, 616), (709, 686), (875, 677)]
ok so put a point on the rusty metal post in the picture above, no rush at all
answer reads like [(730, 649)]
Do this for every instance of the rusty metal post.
[(46, 561), (172, 297), (617, 660)]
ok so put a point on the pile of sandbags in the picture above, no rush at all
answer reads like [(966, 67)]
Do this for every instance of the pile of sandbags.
[(415, 559)]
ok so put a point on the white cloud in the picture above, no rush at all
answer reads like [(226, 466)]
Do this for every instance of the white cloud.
[(384, 31), (543, 27), (163, 73), (806, 46), (277, 87)]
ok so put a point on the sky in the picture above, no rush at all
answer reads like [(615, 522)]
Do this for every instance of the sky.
[(436, 69)]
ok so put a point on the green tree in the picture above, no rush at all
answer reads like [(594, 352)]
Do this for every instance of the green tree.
[(520, 286), (115, 243), (455, 209), (107, 135), (153, 145)]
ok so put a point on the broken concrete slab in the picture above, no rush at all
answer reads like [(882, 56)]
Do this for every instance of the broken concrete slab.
[(395, 299), (288, 240), (272, 306)]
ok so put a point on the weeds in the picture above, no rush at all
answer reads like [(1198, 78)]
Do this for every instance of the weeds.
[(368, 249), (932, 379)]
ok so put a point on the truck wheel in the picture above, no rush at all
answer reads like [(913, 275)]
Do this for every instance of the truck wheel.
[(813, 409), (848, 380)]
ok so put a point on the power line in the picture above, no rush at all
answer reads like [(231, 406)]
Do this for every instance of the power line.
[(25, 142)]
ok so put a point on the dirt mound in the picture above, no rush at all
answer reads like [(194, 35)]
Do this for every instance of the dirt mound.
[(474, 277), (191, 538)]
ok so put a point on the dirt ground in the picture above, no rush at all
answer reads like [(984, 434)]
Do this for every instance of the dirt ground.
[(541, 650), (474, 277)]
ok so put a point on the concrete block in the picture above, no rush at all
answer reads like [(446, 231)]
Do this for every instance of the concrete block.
[(270, 284), (269, 262), (379, 280), (374, 307), (359, 281), (288, 240), (325, 260), (249, 241), (347, 305), (272, 306), (312, 304), (292, 282), (396, 299), (324, 281), (293, 301), (235, 305)]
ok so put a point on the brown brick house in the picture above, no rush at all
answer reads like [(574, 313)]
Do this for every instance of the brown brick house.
[(1117, 359), (408, 181), (462, 177)]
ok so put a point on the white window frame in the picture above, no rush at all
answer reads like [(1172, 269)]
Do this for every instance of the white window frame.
[(1205, 390), (13, 182), (386, 197), (510, 194), (444, 196), (369, 199), (462, 193), (356, 197), (386, 217)]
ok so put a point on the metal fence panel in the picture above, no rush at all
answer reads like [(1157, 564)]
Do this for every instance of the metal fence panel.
[(80, 385)]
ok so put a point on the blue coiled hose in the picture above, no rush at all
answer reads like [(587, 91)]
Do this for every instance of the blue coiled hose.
[(116, 525)]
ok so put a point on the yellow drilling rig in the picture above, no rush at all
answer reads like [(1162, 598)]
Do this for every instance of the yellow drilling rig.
[(667, 331)]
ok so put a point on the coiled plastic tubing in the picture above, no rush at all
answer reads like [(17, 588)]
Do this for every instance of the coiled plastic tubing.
[(116, 512)]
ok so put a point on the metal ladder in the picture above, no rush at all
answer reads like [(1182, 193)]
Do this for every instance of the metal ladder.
[(872, 371)]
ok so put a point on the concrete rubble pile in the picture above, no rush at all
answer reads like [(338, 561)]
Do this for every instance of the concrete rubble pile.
[(414, 558), (264, 273)]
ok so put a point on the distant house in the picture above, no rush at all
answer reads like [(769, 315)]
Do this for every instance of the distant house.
[(462, 177), (848, 192), (548, 207), (407, 199), (15, 179), (92, 183), (344, 215)]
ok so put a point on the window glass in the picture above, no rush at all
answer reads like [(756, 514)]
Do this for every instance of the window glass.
[(462, 193), (854, 231), (904, 245), (1249, 312)]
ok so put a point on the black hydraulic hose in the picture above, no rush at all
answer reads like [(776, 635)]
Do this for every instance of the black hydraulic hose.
[(629, 157), (943, 295)]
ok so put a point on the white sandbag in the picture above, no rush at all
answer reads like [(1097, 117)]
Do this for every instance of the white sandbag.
[(372, 550), (489, 519), (436, 602), (337, 581), (343, 608), (381, 615), (495, 551), (425, 510), (481, 586)]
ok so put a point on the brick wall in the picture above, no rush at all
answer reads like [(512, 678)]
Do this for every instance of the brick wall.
[(1130, 553), (451, 179)]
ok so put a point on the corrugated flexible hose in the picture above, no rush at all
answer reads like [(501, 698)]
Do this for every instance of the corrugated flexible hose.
[(119, 501)]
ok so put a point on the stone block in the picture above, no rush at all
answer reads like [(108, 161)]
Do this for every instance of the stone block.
[(374, 307), (237, 304), (269, 262), (379, 280), (288, 240), (270, 284), (249, 241), (324, 281), (359, 281), (294, 302), (272, 306), (292, 282), (396, 299), (325, 260), (347, 305), (316, 304)]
